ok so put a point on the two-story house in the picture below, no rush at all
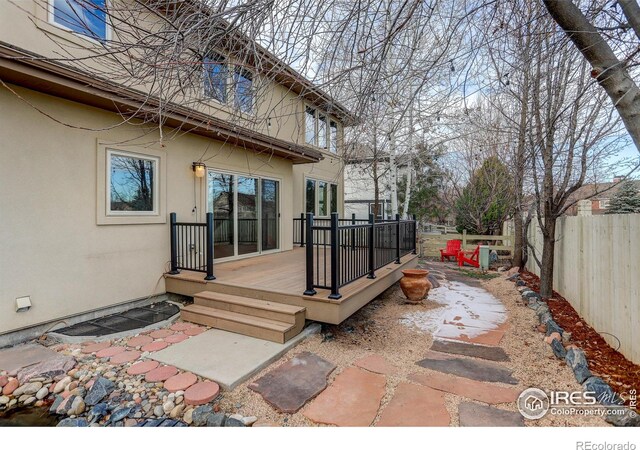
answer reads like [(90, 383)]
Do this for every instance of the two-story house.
[(88, 177)]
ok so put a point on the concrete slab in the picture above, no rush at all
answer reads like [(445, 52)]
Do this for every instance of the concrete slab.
[(475, 415), (474, 350), (15, 358), (227, 358), (467, 368), (288, 387)]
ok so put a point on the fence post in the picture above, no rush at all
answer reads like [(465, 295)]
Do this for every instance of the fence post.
[(209, 247), (415, 236), (174, 244), (301, 229), (397, 238), (309, 255), (464, 239), (353, 232), (372, 253), (335, 244)]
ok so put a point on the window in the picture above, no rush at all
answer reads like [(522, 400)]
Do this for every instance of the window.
[(85, 17), (604, 203), (243, 97), (310, 126), (311, 196), (372, 210), (321, 198), (322, 131), (215, 78), (334, 198), (333, 137), (131, 181), (319, 130)]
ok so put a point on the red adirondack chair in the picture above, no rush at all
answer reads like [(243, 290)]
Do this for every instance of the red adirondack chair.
[(452, 250), (473, 259)]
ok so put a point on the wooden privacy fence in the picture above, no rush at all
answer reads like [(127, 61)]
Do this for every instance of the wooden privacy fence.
[(596, 267), (431, 243)]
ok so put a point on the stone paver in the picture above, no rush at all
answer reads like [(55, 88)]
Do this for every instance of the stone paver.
[(155, 346), (352, 400), (288, 387), (139, 341), (180, 382), (176, 338), (377, 364), (161, 373), (464, 387), (194, 331), (181, 326), (95, 347), (201, 393), (469, 334), (468, 368), (477, 351), (110, 351), (125, 357), (160, 334), (15, 358), (475, 415), (142, 367), (415, 406)]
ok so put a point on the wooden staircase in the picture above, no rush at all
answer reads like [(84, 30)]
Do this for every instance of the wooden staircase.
[(258, 318)]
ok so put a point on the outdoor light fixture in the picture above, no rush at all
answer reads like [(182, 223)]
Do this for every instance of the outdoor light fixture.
[(199, 169)]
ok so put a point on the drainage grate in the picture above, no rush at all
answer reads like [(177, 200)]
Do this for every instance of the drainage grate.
[(128, 320)]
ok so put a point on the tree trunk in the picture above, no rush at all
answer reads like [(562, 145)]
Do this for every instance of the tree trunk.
[(518, 240), (607, 69), (548, 250)]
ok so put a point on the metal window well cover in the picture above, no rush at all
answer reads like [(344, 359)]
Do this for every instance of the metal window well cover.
[(132, 319)]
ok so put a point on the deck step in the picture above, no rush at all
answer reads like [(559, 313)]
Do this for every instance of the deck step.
[(244, 305), (249, 325)]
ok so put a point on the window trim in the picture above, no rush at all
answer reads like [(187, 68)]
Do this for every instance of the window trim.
[(104, 215), (316, 124), (108, 31)]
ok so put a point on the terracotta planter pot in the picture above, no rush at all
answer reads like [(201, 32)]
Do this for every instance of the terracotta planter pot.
[(415, 284)]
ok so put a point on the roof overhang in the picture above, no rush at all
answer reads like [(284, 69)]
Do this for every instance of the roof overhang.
[(26, 69)]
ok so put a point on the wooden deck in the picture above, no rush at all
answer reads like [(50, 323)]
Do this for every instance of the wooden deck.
[(280, 277)]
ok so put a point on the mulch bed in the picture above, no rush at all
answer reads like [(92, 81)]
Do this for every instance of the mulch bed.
[(605, 362)]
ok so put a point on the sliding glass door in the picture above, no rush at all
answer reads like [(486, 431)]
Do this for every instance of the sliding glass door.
[(246, 214)]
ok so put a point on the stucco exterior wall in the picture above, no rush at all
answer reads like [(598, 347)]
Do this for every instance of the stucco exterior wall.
[(51, 247)]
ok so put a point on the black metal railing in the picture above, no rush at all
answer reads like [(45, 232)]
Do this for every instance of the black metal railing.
[(345, 250), (192, 246)]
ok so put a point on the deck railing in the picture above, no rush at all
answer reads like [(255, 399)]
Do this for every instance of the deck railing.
[(192, 246), (344, 250)]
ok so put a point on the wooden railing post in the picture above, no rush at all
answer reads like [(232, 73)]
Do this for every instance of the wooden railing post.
[(415, 236), (397, 238), (335, 263), (174, 244), (372, 243), (302, 229), (309, 255), (210, 229)]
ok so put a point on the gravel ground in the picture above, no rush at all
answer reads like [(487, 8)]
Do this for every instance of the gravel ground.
[(378, 328)]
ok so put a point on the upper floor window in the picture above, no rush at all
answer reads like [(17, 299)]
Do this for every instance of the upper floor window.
[(320, 131), (604, 203), (85, 17), (243, 95), (333, 137), (310, 126), (215, 77)]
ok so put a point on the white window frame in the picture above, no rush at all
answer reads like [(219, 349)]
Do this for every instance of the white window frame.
[(228, 81), (107, 26), (604, 203), (333, 143), (328, 120), (231, 99), (328, 198), (103, 186)]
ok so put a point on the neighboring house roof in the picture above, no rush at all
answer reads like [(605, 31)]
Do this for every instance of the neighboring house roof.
[(597, 191)]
